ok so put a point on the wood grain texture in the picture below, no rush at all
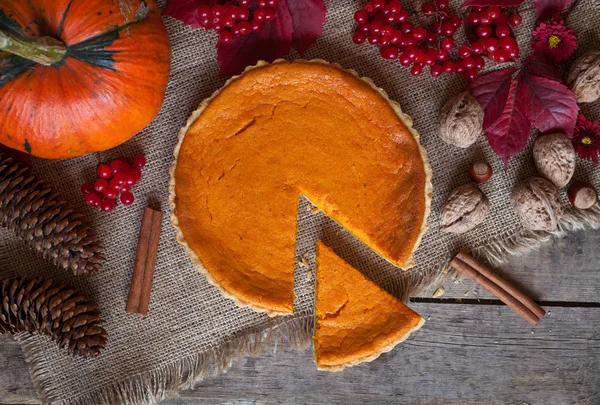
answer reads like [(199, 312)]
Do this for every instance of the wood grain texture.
[(567, 270), (465, 354)]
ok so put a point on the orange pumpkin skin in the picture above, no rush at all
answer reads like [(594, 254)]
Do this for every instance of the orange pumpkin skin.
[(109, 86)]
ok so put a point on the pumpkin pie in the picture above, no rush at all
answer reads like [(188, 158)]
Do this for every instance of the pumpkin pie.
[(355, 319), (283, 130)]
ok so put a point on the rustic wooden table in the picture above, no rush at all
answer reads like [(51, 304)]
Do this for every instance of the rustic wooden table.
[(472, 352)]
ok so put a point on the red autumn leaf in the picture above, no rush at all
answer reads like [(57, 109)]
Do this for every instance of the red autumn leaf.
[(485, 3), (272, 42), (551, 106), (185, 11), (509, 134), (308, 17), (491, 90), (546, 9), (542, 66)]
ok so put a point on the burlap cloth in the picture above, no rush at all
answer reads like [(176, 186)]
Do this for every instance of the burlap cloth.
[(192, 330)]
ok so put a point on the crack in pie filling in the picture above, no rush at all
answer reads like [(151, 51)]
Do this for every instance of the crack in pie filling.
[(278, 131)]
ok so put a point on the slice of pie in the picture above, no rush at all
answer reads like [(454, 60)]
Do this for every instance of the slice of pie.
[(355, 319), (278, 131)]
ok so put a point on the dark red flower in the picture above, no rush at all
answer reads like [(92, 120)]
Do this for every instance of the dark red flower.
[(554, 40), (586, 139)]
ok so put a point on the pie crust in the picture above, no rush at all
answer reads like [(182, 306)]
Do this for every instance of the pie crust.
[(273, 305)]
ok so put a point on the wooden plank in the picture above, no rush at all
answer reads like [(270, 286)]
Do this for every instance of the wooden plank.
[(15, 384), (465, 354), (567, 270)]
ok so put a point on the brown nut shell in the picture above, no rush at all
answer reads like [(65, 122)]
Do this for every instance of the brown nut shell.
[(464, 209), (584, 77), (461, 120), (582, 195), (480, 171), (537, 203), (554, 158)]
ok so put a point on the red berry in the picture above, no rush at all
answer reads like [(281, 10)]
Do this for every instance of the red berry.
[(133, 176), (447, 43), (441, 4), (104, 171), (515, 20), (416, 69), (469, 63), (218, 10), (473, 18), (262, 3), (508, 43), (243, 13), (272, 3), (87, 188), (419, 56), (502, 55), (376, 26), (361, 16), (502, 31), (244, 28), (478, 47), (419, 33), (411, 52), (389, 52), (406, 27), (458, 66), (402, 16), (396, 38), (259, 14), (436, 70), (127, 198), (471, 74), (448, 29), (245, 3), (110, 192), (139, 161), (394, 6), (502, 20), (218, 27), (378, 4), (405, 60), (464, 51), (431, 37), (491, 44), (387, 30), (93, 199), (100, 185), (374, 39), (479, 62), (369, 9), (483, 31), (428, 9), (204, 11), (514, 53), (456, 21), (484, 19), (359, 37), (431, 56), (449, 66), (494, 12), (256, 25), (228, 21), (491, 56), (269, 14), (442, 55), (108, 205)]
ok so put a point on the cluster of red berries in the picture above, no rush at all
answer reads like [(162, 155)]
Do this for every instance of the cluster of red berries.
[(385, 23), (114, 180), (495, 37), (234, 19)]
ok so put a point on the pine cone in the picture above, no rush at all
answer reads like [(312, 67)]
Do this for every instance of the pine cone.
[(45, 222), (48, 308)]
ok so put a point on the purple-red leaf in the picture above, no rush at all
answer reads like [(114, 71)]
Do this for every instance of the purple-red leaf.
[(542, 66), (272, 42), (509, 134), (308, 17), (546, 9), (185, 11), (491, 91), (551, 106), (485, 3)]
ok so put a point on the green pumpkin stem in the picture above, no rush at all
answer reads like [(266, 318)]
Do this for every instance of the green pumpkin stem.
[(46, 51)]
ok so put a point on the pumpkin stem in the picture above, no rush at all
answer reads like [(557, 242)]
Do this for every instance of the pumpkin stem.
[(44, 50)]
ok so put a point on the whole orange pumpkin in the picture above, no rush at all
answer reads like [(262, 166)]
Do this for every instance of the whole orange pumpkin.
[(79, 76)]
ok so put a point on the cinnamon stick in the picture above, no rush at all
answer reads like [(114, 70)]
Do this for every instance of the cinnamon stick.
[(498, 286), (145, 260), (508, 287)]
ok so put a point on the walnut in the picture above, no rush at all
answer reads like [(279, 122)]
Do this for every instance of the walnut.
[(461, 120), (464, 209), (537, 204), (554, 158), (584, 77)]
